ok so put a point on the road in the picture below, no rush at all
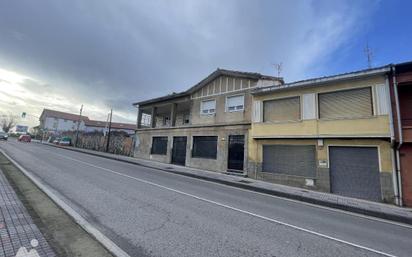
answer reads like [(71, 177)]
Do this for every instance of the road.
[(148, 212)]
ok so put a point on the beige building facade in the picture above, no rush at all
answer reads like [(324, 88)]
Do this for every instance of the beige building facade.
[(331, 134), (203, 127)]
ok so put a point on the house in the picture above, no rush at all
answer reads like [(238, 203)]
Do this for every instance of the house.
[(205, 126), (55, 121), (331, 134), (103, 126), (401, 95)]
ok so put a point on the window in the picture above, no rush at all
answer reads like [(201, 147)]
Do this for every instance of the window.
[(159, 145), (286, 109), (208, 107), (186, 118), (351, 103), (235, 103), (205, 147), (166, 121)]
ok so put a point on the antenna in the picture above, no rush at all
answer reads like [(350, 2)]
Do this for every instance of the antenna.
[(278, 68), (369, 55)]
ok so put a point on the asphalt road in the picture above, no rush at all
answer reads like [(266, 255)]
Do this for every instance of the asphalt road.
[(148, 212)]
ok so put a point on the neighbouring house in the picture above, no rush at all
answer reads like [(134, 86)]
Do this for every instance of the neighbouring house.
[(55, 122), (52, 121), (331, 134), (103, 126), (401, 95), (205, 126)]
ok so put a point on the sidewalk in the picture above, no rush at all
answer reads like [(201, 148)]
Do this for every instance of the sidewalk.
[(19, 236), (380, 210)]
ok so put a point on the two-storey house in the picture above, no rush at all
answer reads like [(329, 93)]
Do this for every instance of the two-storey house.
[(205, 126), (331, 134), (53, 121)]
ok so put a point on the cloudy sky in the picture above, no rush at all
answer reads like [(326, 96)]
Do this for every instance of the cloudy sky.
[(103, 53)]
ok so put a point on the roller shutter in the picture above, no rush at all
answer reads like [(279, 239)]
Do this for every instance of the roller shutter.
[(282, 109), (354, 172), (346, 104), (297, 160)]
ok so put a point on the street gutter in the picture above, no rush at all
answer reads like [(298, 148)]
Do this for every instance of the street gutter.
[(108, 244)]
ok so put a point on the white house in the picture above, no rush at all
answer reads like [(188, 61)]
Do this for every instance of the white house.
[(55, 121)]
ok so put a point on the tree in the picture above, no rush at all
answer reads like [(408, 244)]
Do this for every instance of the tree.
[(7, 122)]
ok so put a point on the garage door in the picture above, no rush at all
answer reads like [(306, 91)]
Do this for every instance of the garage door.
[(354, 172), (297, 160)]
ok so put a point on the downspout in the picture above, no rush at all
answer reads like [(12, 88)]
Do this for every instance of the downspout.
[(398, 116), (391, 127)]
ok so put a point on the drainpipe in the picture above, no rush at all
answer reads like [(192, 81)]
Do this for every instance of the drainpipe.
[(391, 127), (398, 116)]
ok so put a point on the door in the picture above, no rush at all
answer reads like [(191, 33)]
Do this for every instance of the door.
[(354, 172), (406, 173), (236, 153), (179, 150)]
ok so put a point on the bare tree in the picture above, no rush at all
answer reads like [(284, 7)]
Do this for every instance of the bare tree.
[(7, 122)]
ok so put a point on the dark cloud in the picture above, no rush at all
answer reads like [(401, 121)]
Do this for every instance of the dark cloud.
[(113, 53)]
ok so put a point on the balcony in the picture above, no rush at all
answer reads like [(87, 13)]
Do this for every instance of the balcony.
[(165, 115)]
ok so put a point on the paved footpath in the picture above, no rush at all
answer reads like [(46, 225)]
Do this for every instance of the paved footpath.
[(18, 233)]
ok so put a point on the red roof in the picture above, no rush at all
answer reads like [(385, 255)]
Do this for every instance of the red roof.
[(115, 125)]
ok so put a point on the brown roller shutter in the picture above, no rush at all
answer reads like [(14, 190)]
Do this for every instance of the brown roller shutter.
[(281, 109), (346, 104)]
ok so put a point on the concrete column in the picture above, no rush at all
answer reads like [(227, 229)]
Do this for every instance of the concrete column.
[(173, 114), (139, 118), (153, 120)]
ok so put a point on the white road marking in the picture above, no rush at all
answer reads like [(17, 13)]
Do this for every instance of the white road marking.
[(105, 241), (251, 191), (265, 194), (232, 208)]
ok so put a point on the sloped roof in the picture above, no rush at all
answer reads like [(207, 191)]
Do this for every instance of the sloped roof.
[(62, 115), (208, 79), (325, 79), (115, 125)]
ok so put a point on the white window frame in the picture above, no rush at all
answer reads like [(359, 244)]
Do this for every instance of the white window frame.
[(236, 110), (208, 112)]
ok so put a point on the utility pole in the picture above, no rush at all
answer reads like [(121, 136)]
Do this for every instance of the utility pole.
[(108, 133), (78, 125)]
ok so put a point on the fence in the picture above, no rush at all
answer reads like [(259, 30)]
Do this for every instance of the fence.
[(120, 142)]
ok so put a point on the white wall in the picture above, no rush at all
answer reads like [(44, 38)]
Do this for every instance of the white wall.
[(54, 124)]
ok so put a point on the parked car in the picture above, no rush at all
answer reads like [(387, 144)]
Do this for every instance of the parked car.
[(56, 141), (66, 141), (3, 135), (24, 138)]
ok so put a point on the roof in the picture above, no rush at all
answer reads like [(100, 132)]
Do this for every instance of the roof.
[(62, 115), (325, 79), (115, 125), (208, 79)]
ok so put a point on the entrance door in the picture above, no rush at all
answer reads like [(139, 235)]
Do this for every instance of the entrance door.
[(354, 172), (179, 150), (236, 153)]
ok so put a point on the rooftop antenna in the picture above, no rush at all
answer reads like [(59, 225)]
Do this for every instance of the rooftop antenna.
[(278, 68), (369, 55)]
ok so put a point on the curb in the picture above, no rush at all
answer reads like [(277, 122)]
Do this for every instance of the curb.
[(89, 228), (354, 209)]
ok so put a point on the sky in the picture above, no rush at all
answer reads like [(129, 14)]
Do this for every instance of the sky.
[(109, 54)]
